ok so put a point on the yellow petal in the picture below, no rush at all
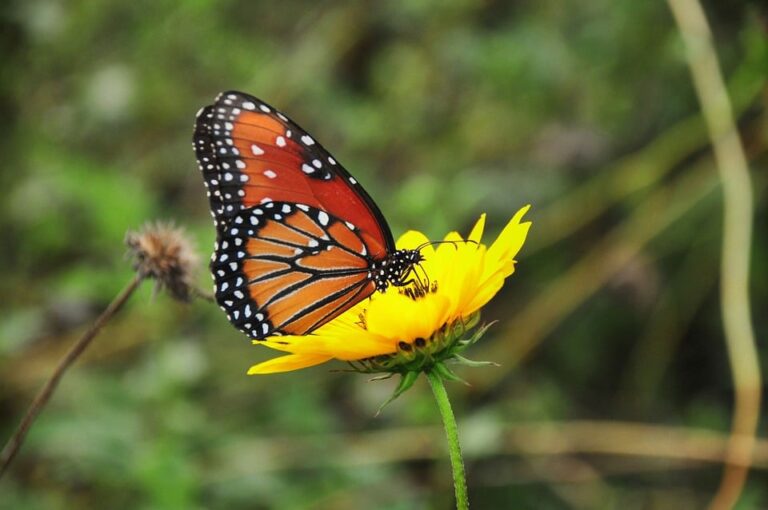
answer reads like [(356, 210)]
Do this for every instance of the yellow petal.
[(414, 239), (443, 263), (511, 239), (288, 363), (341, 344), (400, 318), (469, 271), (477, 231), (484, 293)]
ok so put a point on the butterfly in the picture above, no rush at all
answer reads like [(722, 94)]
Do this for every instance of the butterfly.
[(299, 241)]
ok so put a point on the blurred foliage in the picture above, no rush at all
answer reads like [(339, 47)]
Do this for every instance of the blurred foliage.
[(443, 109)]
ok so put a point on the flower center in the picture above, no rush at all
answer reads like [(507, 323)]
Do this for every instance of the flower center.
[(419, 289)]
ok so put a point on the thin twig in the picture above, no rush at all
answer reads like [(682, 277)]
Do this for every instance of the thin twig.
[(631, 440), (737, 240), (17, 439)]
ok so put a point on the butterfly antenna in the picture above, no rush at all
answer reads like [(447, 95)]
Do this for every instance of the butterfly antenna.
[(454, 243)]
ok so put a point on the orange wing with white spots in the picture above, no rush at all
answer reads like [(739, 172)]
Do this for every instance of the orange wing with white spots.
[(285, 268), (299, 240), (251, 154)]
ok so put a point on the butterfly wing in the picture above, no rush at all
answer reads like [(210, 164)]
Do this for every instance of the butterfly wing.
[(251, 154), (297, 235), (286, 268)]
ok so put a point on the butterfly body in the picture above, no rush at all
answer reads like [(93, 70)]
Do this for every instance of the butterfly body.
[(299, 241)]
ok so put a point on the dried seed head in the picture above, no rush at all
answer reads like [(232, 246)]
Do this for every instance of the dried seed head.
[(162, 252)]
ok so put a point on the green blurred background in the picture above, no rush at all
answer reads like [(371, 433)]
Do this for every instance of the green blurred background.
[(443, 110)]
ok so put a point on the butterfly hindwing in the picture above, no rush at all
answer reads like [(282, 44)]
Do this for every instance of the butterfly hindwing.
[(287, 268)]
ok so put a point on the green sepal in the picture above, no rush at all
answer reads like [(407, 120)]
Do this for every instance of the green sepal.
[(406, 381), (461, 360), (445, 373), (464, 344)]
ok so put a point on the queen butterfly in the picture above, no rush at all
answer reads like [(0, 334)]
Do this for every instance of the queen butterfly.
[(299, 241)]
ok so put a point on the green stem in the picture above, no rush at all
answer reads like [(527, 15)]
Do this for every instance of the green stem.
[(452, 433)]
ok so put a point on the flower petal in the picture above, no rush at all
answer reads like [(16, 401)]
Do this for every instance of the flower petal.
[(443, 263), (340, 343), (511, 239), (288, 363), (485, 292), (477, 231), (400, 318), (414, 239)]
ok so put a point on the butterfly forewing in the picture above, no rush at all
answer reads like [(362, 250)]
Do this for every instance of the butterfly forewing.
[(251, 154)]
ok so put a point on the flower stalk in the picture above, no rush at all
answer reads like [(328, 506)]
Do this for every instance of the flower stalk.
[(452, 434)]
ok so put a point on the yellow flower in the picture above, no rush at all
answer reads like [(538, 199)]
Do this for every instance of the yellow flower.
[(463, 277)]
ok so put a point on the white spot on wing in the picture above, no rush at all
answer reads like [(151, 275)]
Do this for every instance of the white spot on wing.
[(323, 218), (307, 140), (257, 151)]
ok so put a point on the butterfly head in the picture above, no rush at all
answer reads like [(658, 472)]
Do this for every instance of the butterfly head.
[(396, 269)]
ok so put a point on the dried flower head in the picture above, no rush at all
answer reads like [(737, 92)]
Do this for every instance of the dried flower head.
[(162, 252)]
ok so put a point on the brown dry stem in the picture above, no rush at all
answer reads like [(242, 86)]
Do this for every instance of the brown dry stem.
[(13, 445)]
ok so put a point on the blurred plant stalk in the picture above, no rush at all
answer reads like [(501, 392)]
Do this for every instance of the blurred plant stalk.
[(13, 445), (737, 241), (160, 252), (688, 446)]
